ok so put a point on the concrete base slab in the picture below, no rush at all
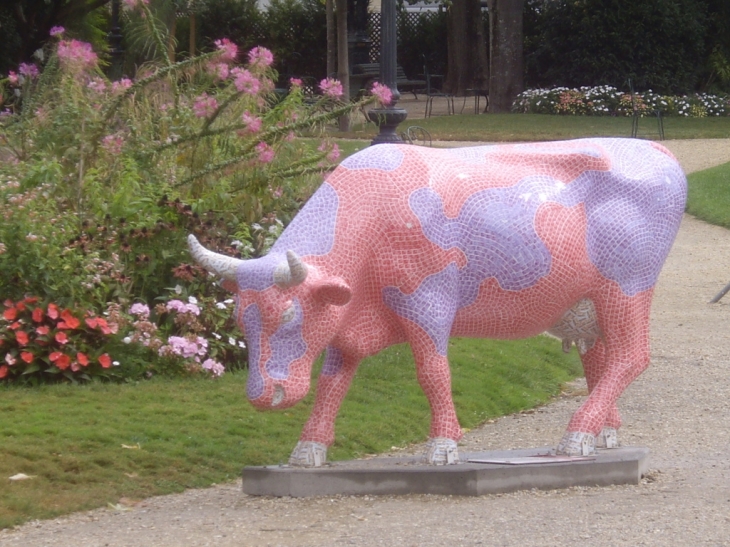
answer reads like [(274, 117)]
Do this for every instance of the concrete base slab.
[(506, 471)]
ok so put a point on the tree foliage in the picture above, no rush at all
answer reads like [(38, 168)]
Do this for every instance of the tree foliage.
[(662, 45)]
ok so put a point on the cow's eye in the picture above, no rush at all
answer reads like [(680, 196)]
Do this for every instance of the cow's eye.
[(288, 314)]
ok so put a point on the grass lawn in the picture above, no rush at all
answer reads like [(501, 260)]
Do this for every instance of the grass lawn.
[(86, 446), (532, 127), (709, 195)]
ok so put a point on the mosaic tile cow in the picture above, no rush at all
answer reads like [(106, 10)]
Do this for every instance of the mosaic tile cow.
[(410, 244)]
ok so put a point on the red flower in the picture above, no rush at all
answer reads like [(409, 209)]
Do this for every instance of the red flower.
[(92, 322), (4, 371), (69, 321), (82, 359), (9, 303), (61, 338), (75, 366), (105, 360), (52, 311), (15, 326), (26, 356), (31, 300), (61, 360), (22, 337), (20, 306), (43, 330), (38, 315), (103, 325), (10, 314)]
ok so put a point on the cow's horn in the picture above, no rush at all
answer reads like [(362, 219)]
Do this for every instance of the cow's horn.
[(218, 264), (292, 273)]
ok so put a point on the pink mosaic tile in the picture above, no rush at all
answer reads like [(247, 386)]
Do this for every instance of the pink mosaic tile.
[(410, 244)]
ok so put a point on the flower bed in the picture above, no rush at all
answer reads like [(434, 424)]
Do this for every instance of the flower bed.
[(609, 101)]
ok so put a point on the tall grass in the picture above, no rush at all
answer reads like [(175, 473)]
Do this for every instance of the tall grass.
[(86, 446)]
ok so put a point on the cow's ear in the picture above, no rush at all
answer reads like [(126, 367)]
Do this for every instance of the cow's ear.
[(332, 290)]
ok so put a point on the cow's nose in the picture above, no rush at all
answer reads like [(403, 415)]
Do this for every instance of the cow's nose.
[(279, 394)]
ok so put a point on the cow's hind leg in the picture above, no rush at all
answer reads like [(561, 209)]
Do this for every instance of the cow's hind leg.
[(624, 322), (319, 431), (594, 365)]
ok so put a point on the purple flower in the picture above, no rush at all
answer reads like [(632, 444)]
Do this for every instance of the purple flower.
[(28, 69), (76, 55), (56, 31)]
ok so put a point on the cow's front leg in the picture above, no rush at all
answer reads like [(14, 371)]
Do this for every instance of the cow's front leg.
[(319, 431), (434, 377)]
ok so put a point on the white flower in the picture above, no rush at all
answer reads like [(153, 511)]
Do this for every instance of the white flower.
[(217, 336), (231, 341), (242, 344), (220, 305), (127, 340), (115, 363), (192, 300), (178, 289), (228, 301)]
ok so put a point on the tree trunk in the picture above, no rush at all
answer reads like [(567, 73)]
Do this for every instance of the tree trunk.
[(331, 38), (467, 48), (506, 68), (343, 69)]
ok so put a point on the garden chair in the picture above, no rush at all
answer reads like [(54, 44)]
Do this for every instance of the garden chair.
[(432, 92), (637, 114)]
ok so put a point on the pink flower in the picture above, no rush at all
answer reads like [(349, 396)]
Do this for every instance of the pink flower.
[(219, 70), (97, 84), (382, 92), (121, 85), (334, 153), (56, 31), (12, 78), (138, 309), (295, 82), (253, 124), (9, 359), (215, 368), (113, 144), (28, 69), (205, 106), (331, 88), (260, 57), (134, 4), (76, 55), (229, 50), (182, 307), (245, 82), (266, 153)]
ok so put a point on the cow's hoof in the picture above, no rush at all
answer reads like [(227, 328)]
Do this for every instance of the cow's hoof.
[(576, 443), (441, 451), (607, 438), (308, 454)]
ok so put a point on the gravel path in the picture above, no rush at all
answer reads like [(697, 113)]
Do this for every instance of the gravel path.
[(679, 408)]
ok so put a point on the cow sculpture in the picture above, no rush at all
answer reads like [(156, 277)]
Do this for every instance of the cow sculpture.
[(410, 244)]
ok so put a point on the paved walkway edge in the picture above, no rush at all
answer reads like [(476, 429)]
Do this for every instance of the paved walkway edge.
[(398, 476)]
